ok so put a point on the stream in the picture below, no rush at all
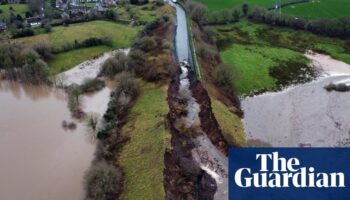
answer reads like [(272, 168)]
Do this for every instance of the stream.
[(304, 115), (40, 159)]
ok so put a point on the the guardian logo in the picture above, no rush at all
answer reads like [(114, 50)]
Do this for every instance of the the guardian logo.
[(279, 172), (289, 173)]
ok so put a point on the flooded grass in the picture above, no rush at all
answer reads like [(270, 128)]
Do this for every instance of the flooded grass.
[(293, 72), (254, 62)]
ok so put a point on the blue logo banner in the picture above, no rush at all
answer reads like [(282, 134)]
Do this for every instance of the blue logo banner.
[(289, 174)]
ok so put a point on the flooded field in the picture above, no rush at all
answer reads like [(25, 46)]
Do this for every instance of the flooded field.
[(39, 159), (303, 115)]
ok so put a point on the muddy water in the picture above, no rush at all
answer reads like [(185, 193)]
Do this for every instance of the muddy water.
[(39, 159), (303, 115)]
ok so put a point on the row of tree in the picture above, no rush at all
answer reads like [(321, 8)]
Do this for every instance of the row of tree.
[(330, 27)]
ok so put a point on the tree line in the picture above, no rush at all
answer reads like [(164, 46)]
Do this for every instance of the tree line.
[(24, 63), (330, 27)]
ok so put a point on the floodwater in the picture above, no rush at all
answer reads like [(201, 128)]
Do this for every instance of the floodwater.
[(181, 39), (39, 159), (304, 115)]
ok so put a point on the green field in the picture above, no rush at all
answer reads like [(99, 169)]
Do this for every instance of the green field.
[(18, 9), (67, 60), (313, 9), (322, 8), (142, 158), (253, 63), (87, 4), (254, 49), (122, 35), (225, 4)]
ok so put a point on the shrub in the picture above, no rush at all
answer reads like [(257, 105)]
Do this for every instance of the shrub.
[(92, 85), (48, 27), (44, 50), (115, 65), (28, 55), (147, 43), (92, 121), (197, 10), (210, 33), (126, 84), (222, 77), (137, 61), (23, 32), (205, 52), (111, 14), (337, 87), (74, 100), (139, 2), (35, 72), (103, 182)]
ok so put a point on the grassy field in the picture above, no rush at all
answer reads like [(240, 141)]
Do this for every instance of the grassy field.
[(18, 9), (142, 158), (230, 124), (253, 63), (122, 35), (256, 48), (322, 8), (313, 9), (67, 60), (87, 4), (224, 4), (143, 12)]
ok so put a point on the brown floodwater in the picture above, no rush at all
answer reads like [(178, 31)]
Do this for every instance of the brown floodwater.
[(39, 159), (303, 115)]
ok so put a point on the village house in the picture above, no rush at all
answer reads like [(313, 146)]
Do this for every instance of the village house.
[(34, 21)]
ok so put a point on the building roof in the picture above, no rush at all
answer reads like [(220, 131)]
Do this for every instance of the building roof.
[(33, 19)]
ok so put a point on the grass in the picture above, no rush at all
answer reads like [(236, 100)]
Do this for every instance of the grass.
[(18, 9), (257, 48), (87, 4), (143, 156), (122, 35), (224, 4), (231, 125), (313, 9), (318, 9), (67, 60), (253, 64)]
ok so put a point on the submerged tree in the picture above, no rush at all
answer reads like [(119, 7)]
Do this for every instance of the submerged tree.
[(92, 122), (103, 182)]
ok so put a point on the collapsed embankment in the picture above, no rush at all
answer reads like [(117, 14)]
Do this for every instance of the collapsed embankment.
[(192, 169), (183, 178)]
